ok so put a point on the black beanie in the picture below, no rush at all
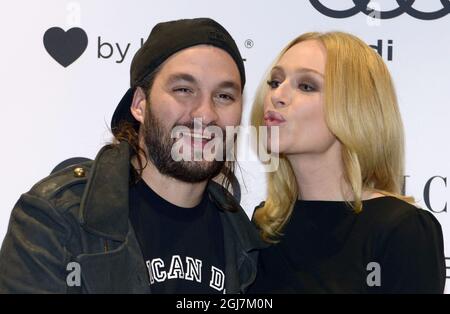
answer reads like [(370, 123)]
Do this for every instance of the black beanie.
[(164, 40)]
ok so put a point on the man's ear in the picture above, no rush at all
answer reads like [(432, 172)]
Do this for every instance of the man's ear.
[(138, 105)]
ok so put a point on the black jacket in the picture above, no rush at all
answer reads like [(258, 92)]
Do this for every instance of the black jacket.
[(80, 214)]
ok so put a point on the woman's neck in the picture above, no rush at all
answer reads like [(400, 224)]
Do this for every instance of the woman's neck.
[(320, 176)]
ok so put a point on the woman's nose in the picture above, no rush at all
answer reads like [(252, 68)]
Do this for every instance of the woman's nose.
[(281, 95)]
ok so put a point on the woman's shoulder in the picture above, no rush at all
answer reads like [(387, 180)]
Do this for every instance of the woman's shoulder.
[(390, 206), (390, 213)]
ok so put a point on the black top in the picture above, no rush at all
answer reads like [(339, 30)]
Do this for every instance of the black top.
[(183, 247), (390, 247)]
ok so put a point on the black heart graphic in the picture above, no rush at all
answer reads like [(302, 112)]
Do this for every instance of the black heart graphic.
[(65, 47)]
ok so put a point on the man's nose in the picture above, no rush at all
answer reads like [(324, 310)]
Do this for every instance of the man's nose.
[(206, 111)]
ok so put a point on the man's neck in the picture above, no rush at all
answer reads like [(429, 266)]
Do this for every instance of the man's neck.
[(179, 193)]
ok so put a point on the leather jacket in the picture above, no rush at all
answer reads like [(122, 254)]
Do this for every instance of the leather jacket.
[(80, 214)]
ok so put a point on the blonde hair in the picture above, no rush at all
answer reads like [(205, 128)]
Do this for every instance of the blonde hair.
[(361, 110)]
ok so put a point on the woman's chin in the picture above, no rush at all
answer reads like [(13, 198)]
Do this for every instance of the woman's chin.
[(274, 149)]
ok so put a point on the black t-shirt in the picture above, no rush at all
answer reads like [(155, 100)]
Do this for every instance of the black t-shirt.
[(390, 247), (182, 247)]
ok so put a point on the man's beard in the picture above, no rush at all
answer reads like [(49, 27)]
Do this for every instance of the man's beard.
[(159, 144)]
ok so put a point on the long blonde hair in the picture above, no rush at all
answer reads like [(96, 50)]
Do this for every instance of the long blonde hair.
[(361, 110)]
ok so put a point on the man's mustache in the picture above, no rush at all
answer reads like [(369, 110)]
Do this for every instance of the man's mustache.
[(192, 126)]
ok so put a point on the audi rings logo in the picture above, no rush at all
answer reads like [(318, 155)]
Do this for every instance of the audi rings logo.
[(404, 6)]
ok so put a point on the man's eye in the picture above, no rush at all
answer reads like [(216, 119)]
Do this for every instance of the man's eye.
[(182, 90), (273, 83), (226, 97)]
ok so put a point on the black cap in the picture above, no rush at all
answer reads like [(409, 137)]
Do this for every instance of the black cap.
[(164, 40)]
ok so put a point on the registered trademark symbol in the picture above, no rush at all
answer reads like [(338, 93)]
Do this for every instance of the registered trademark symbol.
[(249, 43)]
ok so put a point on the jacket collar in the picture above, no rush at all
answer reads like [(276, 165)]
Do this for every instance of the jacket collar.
[(105, 206), (238, 220)]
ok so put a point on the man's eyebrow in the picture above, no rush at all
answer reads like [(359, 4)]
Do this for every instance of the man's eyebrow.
[(231, 85), (181, 77), (189, 78), (298, 70)]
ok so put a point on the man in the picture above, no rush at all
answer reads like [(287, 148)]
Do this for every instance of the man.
[(136, 220)]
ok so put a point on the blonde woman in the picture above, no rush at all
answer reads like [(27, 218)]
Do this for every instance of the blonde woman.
[(335, 214)]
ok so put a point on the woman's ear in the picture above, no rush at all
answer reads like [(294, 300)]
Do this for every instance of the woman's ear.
[(138, 105)]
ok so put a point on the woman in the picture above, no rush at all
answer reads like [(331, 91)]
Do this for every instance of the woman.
[(335, 214)]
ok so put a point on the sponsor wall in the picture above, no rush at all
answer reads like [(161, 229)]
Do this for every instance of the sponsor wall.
[(65, 65)]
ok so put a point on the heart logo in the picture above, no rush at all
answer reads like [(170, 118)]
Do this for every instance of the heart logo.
[(65, 47)]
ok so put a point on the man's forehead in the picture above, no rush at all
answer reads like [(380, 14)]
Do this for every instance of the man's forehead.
[(201, 62)]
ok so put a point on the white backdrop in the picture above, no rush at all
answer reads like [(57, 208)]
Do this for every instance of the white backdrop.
[(50, 112)]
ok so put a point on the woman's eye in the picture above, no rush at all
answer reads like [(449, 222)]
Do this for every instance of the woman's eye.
[(273, 83), (306, 87)]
